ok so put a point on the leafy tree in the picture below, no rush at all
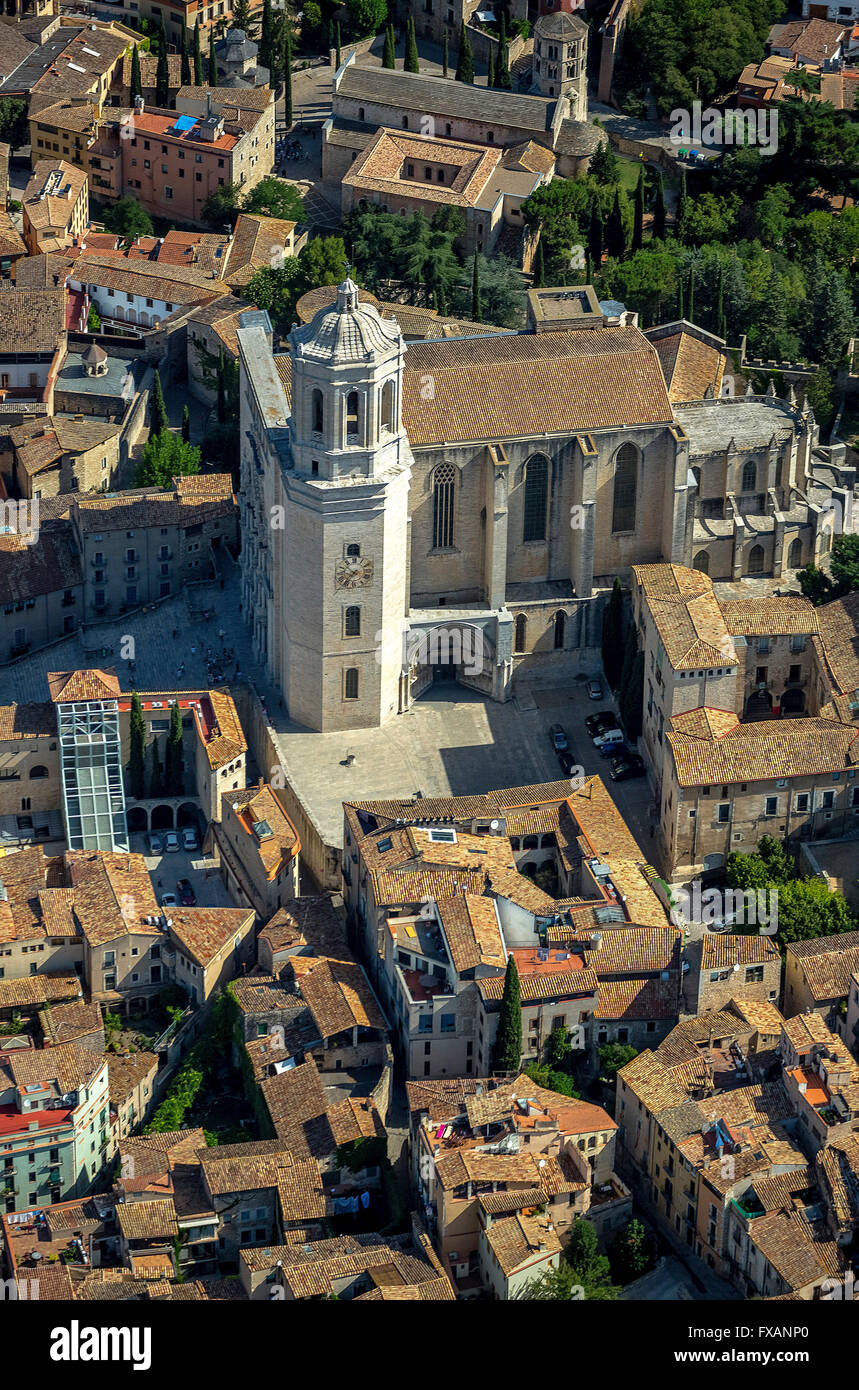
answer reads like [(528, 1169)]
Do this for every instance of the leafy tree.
[(830, 318), (14, 126), (815, 584), (128, 219), (613, 1056), (632, 1253), (502, 292), (502, 63), (158, 418), (507, 1052), (476, 310), (135, 86), (243, 18), (278, 290), (659, 209), (367, 16), (311, 24), (558, 1047), (807, 908), (198, 54), (648, 280), (844, 563), (411, 63), (605, 165), (682, 205), (612, 636), (93, 322), (162, 72), (552, 1080), (557, 1284), (465, 59), (274, 198), (638, 225), (819, 394), (213, 62), (156, 785), (596, 233), (166, 456), (222, 206), (137, 735), (615, 234), (768, 864), (590, 1269), (389, 52)]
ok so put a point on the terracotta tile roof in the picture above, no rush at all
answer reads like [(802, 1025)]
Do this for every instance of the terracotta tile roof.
[(255, 806), (638, 999), (705, 722), (113, 895), (38, 989), (518, 1241), (28, 571), (34, 317), (805, 1029), (689, 365), (52, 213), (67, 1022), (313, 919), (36, 720), (769, 617), (764, 752), (499, 1203), (310, 1271), (298, 1108), (73, 686), (839, 637), (815, 41), (152, 1266), (540, 988), (465, 1165), (591, 379), (759, 1014), (800, 1251), (634, 951), (391, 888), (148, 1220), (202, 932), (720, 951), (229, 742), (124, 1073), (472, 931), (11, 241), (339, 996), (381, 167), (838, 1172), (258, 243), (178, 285), (70, 1065), (444, 1097), (828, 970)]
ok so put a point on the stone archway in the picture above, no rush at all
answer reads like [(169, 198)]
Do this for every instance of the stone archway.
[(456, 651), (793, 702), (187, 814), (162, 817), (136, 819), (759, 705)]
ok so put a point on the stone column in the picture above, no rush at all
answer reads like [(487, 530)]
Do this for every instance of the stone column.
[(495, 536)]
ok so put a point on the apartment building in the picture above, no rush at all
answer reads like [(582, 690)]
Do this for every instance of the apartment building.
[(818, 977), (33, 344), (312, 924), (723, 967), (55, 206), (776, 655), (258, 847)]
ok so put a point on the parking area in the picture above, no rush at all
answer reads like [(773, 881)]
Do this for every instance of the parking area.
[(201, 871)]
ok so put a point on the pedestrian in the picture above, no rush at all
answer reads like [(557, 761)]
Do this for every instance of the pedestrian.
[(193, 649)]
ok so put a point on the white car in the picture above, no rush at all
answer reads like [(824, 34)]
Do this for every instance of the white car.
[(595, 689), (171, 842), (169, 900), (156, 844), (189, 840)]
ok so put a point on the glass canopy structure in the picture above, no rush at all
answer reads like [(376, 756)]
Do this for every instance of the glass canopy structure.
[(91, 761)]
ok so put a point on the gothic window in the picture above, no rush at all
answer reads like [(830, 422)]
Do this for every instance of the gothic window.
[(756, 560), (560, 628), (352, 413), (625, 488), (318, 412), (750, 476), (350, 683), (353, 552), (444, 483), (388, 406), (520, 633), (352, 621), (702, 562), (536, 495), (794, 555)]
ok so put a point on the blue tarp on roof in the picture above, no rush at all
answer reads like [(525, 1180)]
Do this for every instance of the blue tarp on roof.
[(185, 123)]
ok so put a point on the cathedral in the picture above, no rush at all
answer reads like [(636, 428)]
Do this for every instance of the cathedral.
[(459, 507)]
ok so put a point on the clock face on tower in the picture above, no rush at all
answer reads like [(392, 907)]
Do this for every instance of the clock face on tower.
[(353, 573)]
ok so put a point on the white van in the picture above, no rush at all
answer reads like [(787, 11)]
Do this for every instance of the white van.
[(611, 736)]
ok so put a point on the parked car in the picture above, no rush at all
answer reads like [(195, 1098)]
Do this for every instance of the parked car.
[(598, 723), (156, 844), (187, 896), (189, 839), (614, 750), (568, 762), (171, 842), (559, 738), (169, 900), (630, 765), (595, 689), (608, 737)]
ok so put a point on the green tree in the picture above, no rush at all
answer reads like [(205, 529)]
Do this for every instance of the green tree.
[(507, 1053), (615, 233), (166, 456), (556, 1284), (632, 698), (156, 785), (137, 750), (14, 126), (158, 418), (844, 563), (558, 1047), (539, 269), (502, 63), (632, 1253), (638, 224), (311, 24), (613, 1056), (490, 70), (272, 197), (465, 59), (173, 755), (135, 86), (682, 205), (266, 52), (411, 63), (184, 57), (612, 636), (198, 55), (337, 56), (596, 233), (659, 208), (213, 62), (445, 55), (162, 72), (186, 424), (243, 18), (769, 863), (819, 395), (605, 165), (502, 292), (93, 323), (222, 206), (815, 584), (476, 310), (128, 219), (366, 16), (552, 1080), (389, 52), (807, 909), (590, 1269)]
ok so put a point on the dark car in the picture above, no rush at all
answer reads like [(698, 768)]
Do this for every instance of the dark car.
[(598, 723), (568, 762), (187, 896), (614, 751), (559, 738), (630, 765)]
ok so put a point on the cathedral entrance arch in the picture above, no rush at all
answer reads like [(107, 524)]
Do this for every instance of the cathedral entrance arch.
[(449, 651)]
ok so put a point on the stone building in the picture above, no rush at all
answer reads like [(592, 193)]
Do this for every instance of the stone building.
[(560, 61)]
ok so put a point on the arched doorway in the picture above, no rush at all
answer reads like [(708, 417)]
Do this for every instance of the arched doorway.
[(135, 818), (162, 818), (187, 814), (793, 702), (759, 705), (794, 554), (756, 560), (560, 625), (702, 562), (450, 652)]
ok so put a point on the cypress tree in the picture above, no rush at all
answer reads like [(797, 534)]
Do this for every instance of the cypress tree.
[(614, 236), (476, 311), (633, 698), (596, 233), (175, 780), (158, 419), (162, 72), (337, 43), (681, 205), (198, 56), (136, 762), (681, 313), (222, 390), (213, 62), (155, 783), (440, 302), (411, 63), (287, 82), (507, 1053), (265, 52), (185, 72), (502, 65), (659, 209), (136, 86), (490, 71), (539, 267), (389, 53), (612, 634), (186, 424), (638, 225), (690, 313), (445, 55), (720, 305), (465, 60), (630, 652)]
